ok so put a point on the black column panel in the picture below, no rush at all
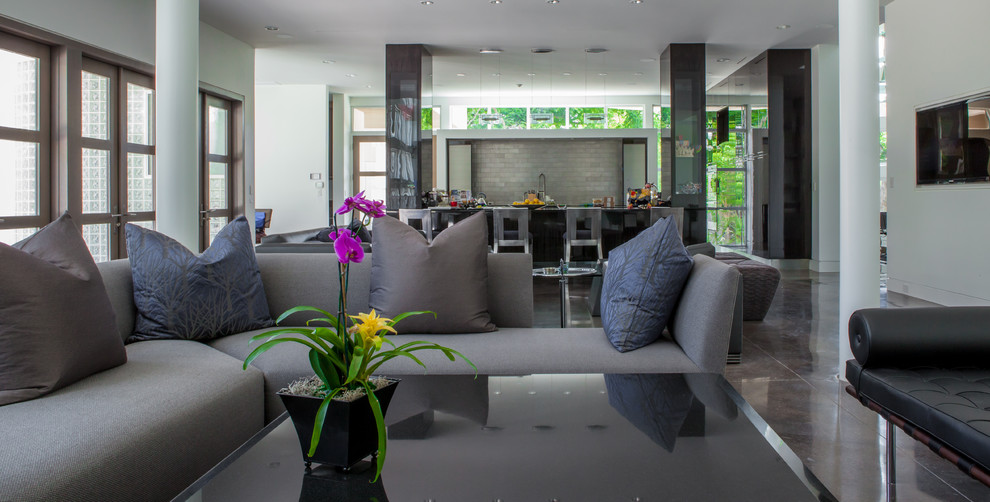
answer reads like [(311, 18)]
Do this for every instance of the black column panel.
[(408, 77), (686, 83), (785, 213)]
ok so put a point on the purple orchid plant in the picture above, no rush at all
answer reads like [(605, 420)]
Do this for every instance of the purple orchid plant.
[(344, 351)]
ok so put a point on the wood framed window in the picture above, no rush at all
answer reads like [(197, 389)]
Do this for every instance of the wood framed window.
[(25, 137), (369, 166), (116, 139), (221, 160)]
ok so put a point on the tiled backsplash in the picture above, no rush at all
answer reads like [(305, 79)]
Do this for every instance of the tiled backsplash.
[(576, 170)]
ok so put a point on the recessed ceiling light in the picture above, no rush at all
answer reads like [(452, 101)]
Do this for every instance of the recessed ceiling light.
[(328, 61), (567, 74), (595, 50), (462, 74), (541, 51), (637, 2), (271, 27), (369, 86), (553, 2), (426, 2), (783, 26), (722, 60), (350, 75), (647, 60), (638, 74), (490, 51), (496, 74), (495, 2), (603, 74), (530, 74)]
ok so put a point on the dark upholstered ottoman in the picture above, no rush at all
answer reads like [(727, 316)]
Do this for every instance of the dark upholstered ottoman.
[(759, 284)]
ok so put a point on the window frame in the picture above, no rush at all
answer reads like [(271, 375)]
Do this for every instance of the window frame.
[(42, 136)]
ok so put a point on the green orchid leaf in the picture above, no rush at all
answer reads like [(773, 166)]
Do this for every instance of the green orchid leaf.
[(281, 331), (407, 314), (376, 410), (321, 416), (323, 368), (330, 335), (355, 367), (303, 308), (261, 349)]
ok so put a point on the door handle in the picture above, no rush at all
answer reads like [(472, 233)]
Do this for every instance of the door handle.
[(122, 214)]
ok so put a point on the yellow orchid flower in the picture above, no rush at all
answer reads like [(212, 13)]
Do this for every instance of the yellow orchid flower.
[(368, 325)]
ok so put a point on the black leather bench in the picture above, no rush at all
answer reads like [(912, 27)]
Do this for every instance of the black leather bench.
[(927, 371)]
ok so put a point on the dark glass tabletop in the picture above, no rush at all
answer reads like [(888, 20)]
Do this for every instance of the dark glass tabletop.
[(539, 438)]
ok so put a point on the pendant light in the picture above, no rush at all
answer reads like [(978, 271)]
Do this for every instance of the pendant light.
[(489, 118), (539, 116), (594, 117)]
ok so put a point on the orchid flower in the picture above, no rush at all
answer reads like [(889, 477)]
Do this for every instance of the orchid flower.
[(348, 249), (350, 203)]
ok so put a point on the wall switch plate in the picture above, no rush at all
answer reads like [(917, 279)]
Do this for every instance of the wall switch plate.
[(319, 184), (315, 176)]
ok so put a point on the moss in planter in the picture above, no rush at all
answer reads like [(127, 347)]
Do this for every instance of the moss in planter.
[(313, 387)]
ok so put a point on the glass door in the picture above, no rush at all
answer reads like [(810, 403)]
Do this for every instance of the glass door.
[(727, 184), (215, 198)]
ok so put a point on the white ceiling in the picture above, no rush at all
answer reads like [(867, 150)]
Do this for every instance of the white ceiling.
[(353, 34)]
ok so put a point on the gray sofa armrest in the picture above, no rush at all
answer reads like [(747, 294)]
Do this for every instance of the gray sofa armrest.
[(703, 321), (906, 337)]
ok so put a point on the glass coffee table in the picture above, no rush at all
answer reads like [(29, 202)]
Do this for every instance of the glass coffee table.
[(563, 438), (571, 269)]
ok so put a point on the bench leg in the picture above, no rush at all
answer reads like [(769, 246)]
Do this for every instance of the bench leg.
[(891, 462)]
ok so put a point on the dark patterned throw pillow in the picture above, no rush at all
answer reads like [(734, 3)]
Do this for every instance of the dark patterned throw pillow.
[(642, 285), (183, 296)]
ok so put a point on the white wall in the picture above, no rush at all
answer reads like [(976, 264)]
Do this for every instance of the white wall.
[(126, 27), (228, 63), (825, 159), (292, 131), (937, 236)]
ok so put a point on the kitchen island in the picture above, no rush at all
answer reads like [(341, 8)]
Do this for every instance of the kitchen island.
[(548, 224)]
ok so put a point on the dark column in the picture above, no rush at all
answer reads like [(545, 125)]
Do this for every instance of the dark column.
[(408, 77), (788, 178), (685, 82)]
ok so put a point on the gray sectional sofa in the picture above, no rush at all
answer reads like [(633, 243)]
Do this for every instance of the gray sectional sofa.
[(147, 429)]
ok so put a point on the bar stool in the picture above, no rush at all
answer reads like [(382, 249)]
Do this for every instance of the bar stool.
[(518, 237), (590, 235), (423, 219), (662, 212)]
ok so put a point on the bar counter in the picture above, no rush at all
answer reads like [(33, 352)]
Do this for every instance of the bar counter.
[(548, 224)]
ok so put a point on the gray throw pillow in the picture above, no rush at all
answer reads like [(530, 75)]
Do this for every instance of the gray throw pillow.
[(448, 276), (642, 284), (179, 295), (57, 325)]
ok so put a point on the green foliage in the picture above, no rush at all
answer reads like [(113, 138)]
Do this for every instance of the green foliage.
[(883, 146), (559, 120), (427, 120), (512, 118), (578, 122), (661, 117), (625, 118), (728, 229), (759, 118), (474, 118)]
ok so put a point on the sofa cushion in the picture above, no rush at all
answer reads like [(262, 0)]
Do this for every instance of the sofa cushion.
[(57, 325), (642, 284), (448, 276), (511, 351), (141, 431), (179, 295)]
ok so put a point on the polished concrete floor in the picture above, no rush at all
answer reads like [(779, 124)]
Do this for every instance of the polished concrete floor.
[(789, 374)]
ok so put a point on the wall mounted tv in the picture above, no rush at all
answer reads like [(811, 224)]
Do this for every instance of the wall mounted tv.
[(953, 142)]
